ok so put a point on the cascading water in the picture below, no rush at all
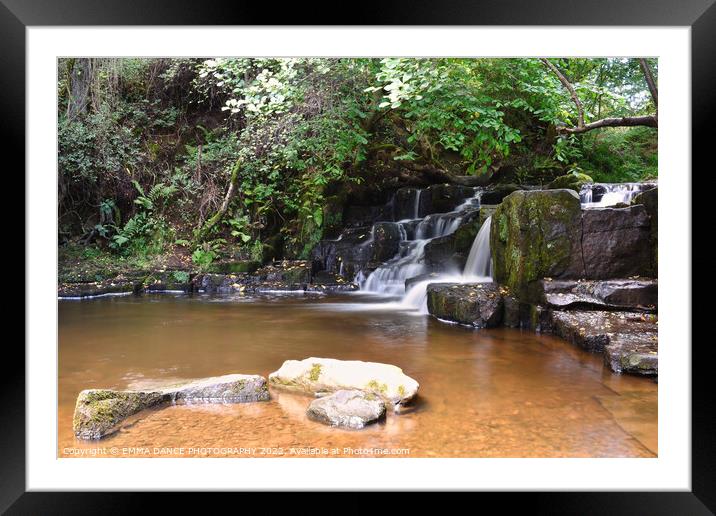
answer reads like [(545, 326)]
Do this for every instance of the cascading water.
[(601, 195), (389, 278), (479, 261), (478, 269)]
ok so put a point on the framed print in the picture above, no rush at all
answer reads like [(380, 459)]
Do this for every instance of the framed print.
[(370, 257)]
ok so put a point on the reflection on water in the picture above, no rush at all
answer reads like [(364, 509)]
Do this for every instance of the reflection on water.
[(483, 393)]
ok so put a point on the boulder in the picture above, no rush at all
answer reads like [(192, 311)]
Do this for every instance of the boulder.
[(616, 242), (318, 375), (477, 304), (536, 234), (347, 408), (574, 181), (231, 388), (594, 330), (99, 412), (618, 294)]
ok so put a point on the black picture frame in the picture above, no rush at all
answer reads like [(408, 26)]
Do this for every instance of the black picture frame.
[(700, 15)]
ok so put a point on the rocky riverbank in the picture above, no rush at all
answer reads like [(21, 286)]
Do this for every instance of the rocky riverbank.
[(586, 275), (224, 278)]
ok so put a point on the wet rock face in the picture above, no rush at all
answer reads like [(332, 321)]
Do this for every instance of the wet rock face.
[(477, 304), (497, 193), (442, 198), (347, 408), (536, 234), (406, 203), (386, 241), (320, 375), (100, 412), (524, 315), (618, 294), (616, 242), (450, 252)]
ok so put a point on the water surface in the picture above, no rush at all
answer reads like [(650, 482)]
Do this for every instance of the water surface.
[(483, 393)]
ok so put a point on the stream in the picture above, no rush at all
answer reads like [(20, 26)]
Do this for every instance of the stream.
[(486, 393)]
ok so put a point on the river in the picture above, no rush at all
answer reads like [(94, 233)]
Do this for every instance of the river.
[(483, 393)]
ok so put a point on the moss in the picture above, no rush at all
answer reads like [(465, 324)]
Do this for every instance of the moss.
[(534, 236), (378, 387), (315, 372), (573, 181)]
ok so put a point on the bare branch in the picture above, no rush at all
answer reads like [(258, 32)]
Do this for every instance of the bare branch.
[(568, 86), (650, 81), (629, 121)]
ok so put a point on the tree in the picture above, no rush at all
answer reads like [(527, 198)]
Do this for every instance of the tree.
[(626, 121)]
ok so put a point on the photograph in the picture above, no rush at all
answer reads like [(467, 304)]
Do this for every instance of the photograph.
[(357, 257)]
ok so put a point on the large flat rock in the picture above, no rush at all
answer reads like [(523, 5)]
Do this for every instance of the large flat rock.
[(628, 340), (347, 408), (633, 353), (592, 330), (618, 294), (476, 304), (100, 412), (320, 375)]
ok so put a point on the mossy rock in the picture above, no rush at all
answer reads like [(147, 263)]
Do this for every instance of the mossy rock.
[(573, 181), (536, 234), (99, 411)]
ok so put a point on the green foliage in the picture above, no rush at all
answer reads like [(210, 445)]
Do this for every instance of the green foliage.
[(207, 253), (151, 154), (621, 155), (180, 276)]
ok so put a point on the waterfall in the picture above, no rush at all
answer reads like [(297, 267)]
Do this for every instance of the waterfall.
[(609, 194), (389, 278), (479, 261)]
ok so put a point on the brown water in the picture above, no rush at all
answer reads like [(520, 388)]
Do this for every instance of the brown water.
[(483, 393)]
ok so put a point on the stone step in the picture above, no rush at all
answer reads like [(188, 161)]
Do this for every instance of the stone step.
[(632, 294)]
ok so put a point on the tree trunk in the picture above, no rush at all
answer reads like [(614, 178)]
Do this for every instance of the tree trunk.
[(79, 79), (219, 215)]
